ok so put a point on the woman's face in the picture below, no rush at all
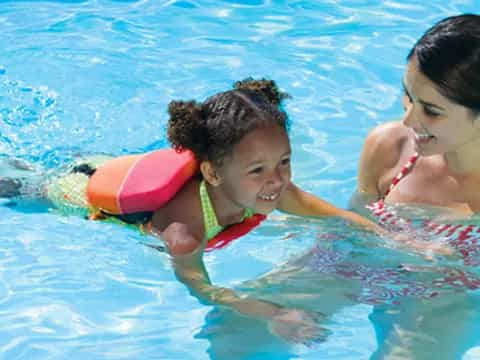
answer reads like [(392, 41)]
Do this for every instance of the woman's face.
[(439, 125)]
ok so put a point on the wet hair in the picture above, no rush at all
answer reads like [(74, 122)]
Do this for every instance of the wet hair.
[(449, 55), (211, 129)]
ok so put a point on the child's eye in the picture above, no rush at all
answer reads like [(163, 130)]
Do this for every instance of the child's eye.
[(256, 170), (285, 161)]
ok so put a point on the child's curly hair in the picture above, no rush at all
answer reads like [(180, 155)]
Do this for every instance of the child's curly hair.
[(212, 128)]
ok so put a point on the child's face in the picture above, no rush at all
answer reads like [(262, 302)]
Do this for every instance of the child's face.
[(258, 171)]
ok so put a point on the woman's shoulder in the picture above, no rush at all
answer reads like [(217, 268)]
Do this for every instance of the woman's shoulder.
[(382, 154), (386, 143), (389, 133)]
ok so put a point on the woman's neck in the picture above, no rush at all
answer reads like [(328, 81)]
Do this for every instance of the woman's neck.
[(465, 160)]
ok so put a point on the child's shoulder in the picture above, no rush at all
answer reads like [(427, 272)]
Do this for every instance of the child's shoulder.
[(181, 218)]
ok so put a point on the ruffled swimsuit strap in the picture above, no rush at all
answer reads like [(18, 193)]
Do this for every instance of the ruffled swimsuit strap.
[(248, 213), (210, 221)]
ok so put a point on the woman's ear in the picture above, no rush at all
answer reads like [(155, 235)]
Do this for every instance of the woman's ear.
[(209, 173)]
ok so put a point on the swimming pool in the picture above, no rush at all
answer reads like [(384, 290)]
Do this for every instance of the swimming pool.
[(89, 77)]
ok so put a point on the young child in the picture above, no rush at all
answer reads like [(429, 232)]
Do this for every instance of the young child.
[(239, 141)]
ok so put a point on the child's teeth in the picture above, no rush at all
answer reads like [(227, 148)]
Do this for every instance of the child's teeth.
[(268, 197)]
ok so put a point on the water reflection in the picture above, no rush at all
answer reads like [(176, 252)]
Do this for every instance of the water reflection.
[(418, 307)]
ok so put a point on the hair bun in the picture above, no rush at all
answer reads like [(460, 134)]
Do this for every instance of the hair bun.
[(268, 88), (186, 128)]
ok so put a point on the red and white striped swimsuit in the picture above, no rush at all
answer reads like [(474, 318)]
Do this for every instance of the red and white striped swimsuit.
[(463, 237)]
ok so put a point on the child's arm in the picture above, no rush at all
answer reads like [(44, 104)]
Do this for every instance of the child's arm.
[(298, 202), (187, 258)]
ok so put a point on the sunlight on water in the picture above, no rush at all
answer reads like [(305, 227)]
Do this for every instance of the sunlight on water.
[(94, 77)]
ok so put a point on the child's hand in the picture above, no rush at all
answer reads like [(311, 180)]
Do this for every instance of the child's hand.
[(297, 326), (427, 248)]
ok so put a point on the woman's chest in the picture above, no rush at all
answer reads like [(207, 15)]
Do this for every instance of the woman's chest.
[(434, 186)]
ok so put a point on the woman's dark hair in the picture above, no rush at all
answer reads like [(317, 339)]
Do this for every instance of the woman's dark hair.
[(212, 128), (449, 55)]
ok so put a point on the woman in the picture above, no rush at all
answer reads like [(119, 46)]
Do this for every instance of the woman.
[(432, 156)]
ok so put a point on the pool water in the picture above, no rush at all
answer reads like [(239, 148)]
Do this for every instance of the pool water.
[(95, 77)]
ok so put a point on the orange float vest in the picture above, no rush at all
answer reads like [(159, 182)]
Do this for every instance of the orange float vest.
[(145, 182)]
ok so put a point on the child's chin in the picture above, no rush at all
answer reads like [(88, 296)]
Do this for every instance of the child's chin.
[(265, 210)]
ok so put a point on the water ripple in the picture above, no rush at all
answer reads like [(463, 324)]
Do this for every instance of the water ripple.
[(88, 77)]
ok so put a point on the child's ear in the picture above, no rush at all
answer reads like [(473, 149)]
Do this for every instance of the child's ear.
[(209, 173)]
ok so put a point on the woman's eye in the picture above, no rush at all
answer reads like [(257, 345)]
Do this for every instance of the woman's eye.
[(430, 112), (285, 162)]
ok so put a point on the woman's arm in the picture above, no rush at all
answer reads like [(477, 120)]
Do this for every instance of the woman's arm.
[(298, 202)]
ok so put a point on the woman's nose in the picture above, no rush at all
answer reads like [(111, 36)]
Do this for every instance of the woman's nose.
[(409, 116)]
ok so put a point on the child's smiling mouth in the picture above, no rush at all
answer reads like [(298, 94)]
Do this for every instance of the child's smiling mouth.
[(269, 197)]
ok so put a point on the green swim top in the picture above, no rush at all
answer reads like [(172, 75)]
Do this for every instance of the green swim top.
[(210, 222)]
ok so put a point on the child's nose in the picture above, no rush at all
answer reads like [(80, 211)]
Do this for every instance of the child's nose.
[(275, 178)]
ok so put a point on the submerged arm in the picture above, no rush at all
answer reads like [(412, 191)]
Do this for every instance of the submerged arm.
[(191, 271), (187, 258)]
